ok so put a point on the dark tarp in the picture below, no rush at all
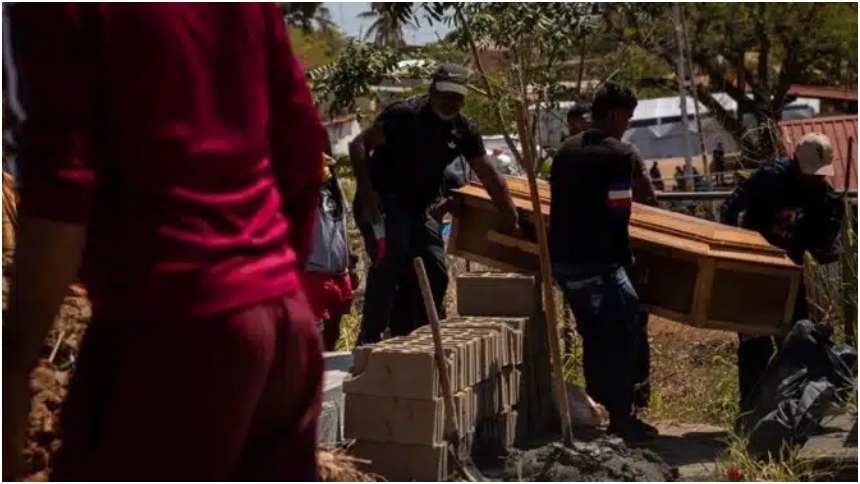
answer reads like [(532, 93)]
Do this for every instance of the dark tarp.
[(807, 378)]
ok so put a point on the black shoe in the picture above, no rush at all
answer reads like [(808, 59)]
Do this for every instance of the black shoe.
[(633, 431), (645, 427)]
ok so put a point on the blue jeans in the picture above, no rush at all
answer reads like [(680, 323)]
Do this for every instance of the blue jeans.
[(606, 309)]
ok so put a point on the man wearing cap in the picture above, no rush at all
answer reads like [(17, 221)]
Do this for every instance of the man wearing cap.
[(399, 164), (792, 204)]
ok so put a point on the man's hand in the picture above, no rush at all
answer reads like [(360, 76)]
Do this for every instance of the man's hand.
[(497, 188), (512, 227)]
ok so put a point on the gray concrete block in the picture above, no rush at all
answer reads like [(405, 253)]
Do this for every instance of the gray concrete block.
[(330, 426)]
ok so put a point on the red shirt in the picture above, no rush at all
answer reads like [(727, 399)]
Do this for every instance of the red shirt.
[(183, 135)]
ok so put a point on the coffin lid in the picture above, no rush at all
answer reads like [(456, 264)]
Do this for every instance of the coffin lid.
[(652, 225)]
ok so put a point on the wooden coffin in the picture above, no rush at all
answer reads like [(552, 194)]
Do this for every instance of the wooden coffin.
[(689, 270)]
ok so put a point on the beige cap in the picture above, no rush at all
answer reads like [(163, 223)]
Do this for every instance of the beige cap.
[(814, 154)]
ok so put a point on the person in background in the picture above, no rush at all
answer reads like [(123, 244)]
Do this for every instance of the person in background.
[(680, 179), (577, 119), (591, 179), (328, 280), (656, 177), (183, 184), (791, 203), (719, 164), (399, 164)]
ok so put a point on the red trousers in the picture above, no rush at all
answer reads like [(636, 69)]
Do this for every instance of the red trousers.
[(234, 396)]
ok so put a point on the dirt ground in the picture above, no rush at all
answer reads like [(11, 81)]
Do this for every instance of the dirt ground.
[(687, 387)]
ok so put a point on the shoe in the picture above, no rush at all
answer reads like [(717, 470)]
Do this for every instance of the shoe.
[(633, 431), (645, 427)]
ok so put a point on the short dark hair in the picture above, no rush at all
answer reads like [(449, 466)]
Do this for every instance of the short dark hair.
[(612, 96), (581, 109)]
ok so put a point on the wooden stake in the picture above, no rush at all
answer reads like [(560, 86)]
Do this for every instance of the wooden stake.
[(546, 273), (848, 311)]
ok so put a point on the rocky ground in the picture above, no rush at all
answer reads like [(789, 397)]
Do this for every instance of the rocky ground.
[(600, 460)]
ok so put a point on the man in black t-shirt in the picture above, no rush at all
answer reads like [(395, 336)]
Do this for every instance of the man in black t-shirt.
[(410, 145), (592, 181)]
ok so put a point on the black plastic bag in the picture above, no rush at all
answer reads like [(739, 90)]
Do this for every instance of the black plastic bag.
[(805, 379)]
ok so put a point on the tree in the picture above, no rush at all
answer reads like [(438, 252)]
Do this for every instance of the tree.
[(388, 23), (307, 15), (759, 49), (316, 49)]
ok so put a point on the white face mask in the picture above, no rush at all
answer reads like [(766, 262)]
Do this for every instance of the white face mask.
[(444, 117)]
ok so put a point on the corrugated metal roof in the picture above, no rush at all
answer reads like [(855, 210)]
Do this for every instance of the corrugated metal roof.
[(824, 92), (839, 129)]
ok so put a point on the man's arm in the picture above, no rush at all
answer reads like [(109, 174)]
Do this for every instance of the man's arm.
[(497, 188), (359, 149), (296, 137), (642, 186), (476, 155), (50, 65), (49, 70), (824, 246), (739, 200)]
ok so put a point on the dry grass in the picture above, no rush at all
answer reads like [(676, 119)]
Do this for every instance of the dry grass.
[(735, 464), (336, 465)]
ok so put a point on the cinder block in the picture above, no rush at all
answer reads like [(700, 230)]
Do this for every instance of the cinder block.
[(496, 294), (398, 462), (474, 346), (396, 372), (394, 420)]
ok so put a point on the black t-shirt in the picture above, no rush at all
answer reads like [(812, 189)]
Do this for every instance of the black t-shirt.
[(591, 179), (408, 169)]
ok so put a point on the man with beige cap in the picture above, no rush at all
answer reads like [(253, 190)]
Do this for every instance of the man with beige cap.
[(792, 204)]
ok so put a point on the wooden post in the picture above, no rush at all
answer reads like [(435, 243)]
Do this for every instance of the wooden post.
[(849, 311), (546, 274)]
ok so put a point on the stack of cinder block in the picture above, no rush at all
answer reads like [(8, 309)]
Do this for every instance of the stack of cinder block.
[(504, 294), (394, 408)]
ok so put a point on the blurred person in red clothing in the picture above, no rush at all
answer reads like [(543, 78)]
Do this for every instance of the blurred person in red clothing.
[(172, 153)]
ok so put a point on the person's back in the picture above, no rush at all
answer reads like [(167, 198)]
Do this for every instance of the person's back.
[(177, 97), (585, 177), (181, 143)]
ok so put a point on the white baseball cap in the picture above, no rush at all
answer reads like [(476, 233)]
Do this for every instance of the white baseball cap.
[(814, 155)]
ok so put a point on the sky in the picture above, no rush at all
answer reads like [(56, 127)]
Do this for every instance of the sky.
[(344, 14)]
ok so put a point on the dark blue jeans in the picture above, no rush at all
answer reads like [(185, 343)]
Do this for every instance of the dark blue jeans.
[(606, 309), (392, 295)]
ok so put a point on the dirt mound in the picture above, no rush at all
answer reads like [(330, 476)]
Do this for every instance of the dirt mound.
[(603, 459)]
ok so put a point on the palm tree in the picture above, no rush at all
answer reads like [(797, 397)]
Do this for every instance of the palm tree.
[(305, 15), (389, 19)]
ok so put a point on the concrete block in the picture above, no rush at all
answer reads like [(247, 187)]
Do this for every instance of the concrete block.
[(398, 462), (396, 372), (330, 426), (496, 294), (394, 420)]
